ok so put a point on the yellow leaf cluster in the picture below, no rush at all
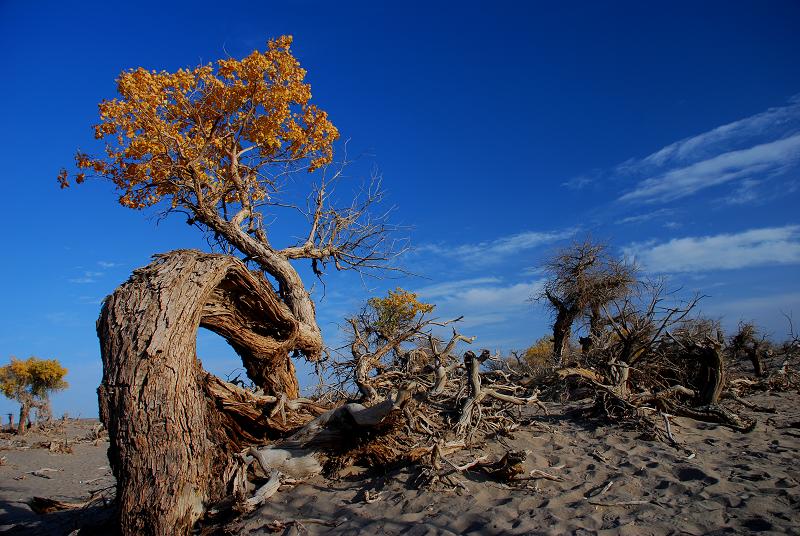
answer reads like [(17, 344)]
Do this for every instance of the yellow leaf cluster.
[(540, 353), (397, 310), (209, 135), (32, 376)]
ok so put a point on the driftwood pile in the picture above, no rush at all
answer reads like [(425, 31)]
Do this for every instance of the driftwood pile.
[(682, 375), (422, 412)]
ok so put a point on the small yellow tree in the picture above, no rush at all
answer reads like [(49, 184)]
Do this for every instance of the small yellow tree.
[(380, 329), (30, 382), (540, 353), (396, 312)]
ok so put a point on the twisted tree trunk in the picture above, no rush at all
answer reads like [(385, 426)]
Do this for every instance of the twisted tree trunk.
[(562, 331), (757, 359), (174, 428), (712, 378), (290, 286), (24, 415), (562, 327)]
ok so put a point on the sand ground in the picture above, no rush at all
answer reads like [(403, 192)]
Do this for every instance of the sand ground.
[(609, 481)]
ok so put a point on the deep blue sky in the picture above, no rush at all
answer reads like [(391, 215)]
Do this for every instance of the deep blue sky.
[(502, 129)]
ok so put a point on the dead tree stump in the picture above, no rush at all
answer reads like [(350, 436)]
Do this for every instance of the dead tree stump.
[(711, 377), (757, 359), (173, 434)]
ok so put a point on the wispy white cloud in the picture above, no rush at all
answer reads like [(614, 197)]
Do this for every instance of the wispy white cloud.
[(87, 277), (498, 298), (767, 311), (107, 264), (775, 123), (773, 157), (746, 193), (493, 251), (761, 146), (580, 182), (534, 270), (647, 216), (482, 301), (450, 288), (756, 247)]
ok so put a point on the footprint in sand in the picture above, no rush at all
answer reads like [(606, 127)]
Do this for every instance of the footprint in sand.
[(757, 524), (685, 474)]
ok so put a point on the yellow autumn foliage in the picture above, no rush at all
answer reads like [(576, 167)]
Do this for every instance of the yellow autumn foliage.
[(398, 310), (32, 377), (540, 353), (211, 135)]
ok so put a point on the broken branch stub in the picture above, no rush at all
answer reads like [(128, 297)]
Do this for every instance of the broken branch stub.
[(173, 428)]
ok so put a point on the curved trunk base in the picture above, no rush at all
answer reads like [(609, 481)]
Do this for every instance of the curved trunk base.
[(173, 428)]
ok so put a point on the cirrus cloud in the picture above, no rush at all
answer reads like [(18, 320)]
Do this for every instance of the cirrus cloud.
[(755, 247)]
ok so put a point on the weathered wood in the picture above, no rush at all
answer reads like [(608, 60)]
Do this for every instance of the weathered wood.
[(757, 359), (304, 453), (711, 374), (24, 415), (173, 429), (562, 329), (472, 364)]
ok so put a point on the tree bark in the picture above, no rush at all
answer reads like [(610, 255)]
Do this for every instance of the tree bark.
[(711, 374), (562, 331), (562, 327), (173, 428), (291, 288), (44, 411), (756, 358), (620, 372), (595, 322), (24, 414)]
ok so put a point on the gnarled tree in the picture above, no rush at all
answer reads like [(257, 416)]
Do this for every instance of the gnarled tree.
[(379, 331), (219, 143), (449, 402), (582, 278), (657, 354), (748, 342), (640, 321)]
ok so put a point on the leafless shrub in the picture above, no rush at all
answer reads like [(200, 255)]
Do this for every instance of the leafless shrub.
[(582, 279)]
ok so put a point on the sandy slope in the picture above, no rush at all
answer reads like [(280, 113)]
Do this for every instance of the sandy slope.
[(734, 483), (77, 474)]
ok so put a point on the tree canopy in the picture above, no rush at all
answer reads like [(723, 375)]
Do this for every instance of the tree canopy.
[(212, 135), (395, 312), (581, 279), (584, 275), (32, 377)]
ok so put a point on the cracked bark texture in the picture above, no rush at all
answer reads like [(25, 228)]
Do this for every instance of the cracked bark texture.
[(172, 432)]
